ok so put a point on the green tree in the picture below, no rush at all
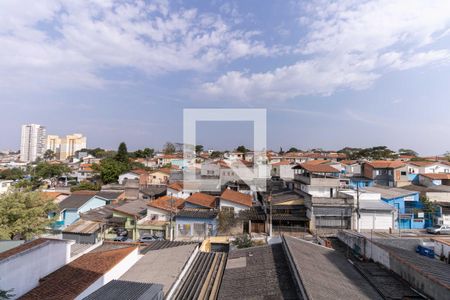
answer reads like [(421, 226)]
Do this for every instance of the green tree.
[(169, 148), (198, 149), (86, 186), (46, 170), (242, 149), (24, 214), (122, 153), (110, 169), (148, 152), (428, 206), (12, 174), (49, 155), (215, 154), (292, 149), (403, 151)]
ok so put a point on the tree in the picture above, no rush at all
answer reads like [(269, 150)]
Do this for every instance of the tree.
[(281, 152), (148, 152), (110, 169), (122, 153), (198, 149), (215, 154), (86, 186), (49, 155), (12, 174), (410, 152), (46, 170), (6, 295), (169, 148), (24, 214), (242, 149), (226, 220), (427, 204), (292, 149)]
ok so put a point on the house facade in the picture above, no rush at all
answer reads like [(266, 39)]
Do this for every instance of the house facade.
[(386, 173)]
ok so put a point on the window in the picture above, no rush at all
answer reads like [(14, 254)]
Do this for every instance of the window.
[(228, 208), (199, 228), (403, 173)]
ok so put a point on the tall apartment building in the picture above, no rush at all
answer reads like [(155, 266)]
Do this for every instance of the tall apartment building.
[(65, 147), (32, 142)]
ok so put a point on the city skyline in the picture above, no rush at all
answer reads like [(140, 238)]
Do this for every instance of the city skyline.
[(329, 75)]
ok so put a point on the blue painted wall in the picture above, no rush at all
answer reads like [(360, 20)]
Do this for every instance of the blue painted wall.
[(354, 183), (71, 215)]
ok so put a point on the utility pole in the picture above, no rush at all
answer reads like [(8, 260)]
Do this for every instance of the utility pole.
[(171, 216), (357, 208), (270, 213)]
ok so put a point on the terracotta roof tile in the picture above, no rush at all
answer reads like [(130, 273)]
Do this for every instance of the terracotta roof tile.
[(72, 279), (437, 176), (385, 164), (164, 203), (236, 197), (177, 186), (202, 200), (317, 168)]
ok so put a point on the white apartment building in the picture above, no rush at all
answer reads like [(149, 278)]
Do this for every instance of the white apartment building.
[(32, 142), (65, 147)]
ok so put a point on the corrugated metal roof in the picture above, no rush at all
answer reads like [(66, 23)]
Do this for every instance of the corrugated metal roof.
[(127, 290), (83, 227)]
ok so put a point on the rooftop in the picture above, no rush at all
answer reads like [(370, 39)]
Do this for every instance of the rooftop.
[(325, 273), (167, 203), (385, 164), (109, 195), (76, 200), (132, 207), (197, 213), (236, 197), (161, 266), (83, 227), (126, 290), (257, 273), (389, 193), (26, 246), (72, 279), (202, 199), (437, 176), (317, 168)]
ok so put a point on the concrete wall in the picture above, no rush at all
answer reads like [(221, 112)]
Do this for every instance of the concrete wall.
[(23, 271), (115, 273), (237, 207)]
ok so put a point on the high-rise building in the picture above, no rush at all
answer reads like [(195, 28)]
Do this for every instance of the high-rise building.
[(32, 142), (65, 147)]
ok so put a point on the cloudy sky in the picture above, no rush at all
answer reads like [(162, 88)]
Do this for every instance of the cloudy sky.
[(330, 74)]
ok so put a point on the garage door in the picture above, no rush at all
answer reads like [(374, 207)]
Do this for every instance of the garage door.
[(376, 221)]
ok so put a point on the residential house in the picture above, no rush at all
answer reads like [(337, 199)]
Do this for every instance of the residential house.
[(5, 185), (434, 179), (170, 159), (425, 167), (85, 275), (23, 267), (386, 173), (131, 212), (78, 202), (351, 168), (159, 213), (85, 173), (373, 214), (200, 200), (160, 176), (442, 217), (318, 184), (407, 204), (195, 223), (176, 189), (283, 170), (235, 201), (141, 175)]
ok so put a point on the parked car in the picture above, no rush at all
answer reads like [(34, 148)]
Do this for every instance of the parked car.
[(120, 238), (439, 229)]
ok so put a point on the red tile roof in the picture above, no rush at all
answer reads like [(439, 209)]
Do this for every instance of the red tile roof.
[(317, 168), (236, 197), (422, 163), (164, 203), (177, 186), (202, 200), (385, 164), (437, 176), (162, 170), (348, 162), (72, 279)]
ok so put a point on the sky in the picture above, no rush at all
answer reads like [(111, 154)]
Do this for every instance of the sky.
[(331, 74)]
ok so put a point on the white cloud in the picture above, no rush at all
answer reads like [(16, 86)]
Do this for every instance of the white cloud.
[(69, 43), (348, 45)]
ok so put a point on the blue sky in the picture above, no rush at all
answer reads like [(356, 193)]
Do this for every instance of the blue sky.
[(330, 73)]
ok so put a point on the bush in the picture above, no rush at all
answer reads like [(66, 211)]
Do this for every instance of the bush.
[(86, 186), (243, 241)]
